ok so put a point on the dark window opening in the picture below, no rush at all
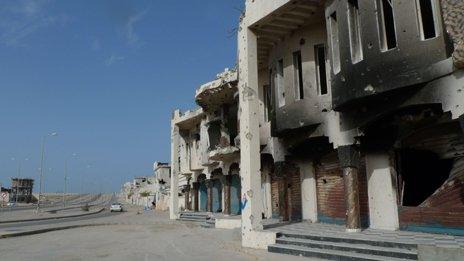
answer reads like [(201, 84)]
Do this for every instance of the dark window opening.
[(426, 15), (354, 21), (298, 76), (280, 83), (321, 72), (386, 24), (335, 42), (232, 122), (267, 103), (214, 133), (421, 174)]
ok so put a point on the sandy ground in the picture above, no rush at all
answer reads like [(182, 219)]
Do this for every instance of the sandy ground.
[(147, 236)]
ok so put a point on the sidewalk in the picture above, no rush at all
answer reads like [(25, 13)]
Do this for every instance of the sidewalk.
[(131, 236)]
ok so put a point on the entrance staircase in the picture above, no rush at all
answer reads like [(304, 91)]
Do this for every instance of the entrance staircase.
[(206, 220), (342, 248)]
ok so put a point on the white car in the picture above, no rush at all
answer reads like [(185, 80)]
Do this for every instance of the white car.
[(116, 207)]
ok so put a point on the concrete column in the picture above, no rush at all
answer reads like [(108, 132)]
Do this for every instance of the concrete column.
[(267, 197), (381, 189), (349, 162), (250, 159), (187, 197), (174, 197), (226, 188), (283, 199), (308, 191), (209, 202), (195, 195)]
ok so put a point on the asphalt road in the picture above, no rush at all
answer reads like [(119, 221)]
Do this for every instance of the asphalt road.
[(136, 235), (21, 225)]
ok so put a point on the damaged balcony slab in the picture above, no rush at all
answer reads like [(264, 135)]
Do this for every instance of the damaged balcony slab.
[(224, 154), (215, 94)]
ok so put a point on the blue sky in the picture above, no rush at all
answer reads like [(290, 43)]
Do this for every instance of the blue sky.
[(106, 76)]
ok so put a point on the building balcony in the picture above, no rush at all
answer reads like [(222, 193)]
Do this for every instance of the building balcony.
[(188, 120), (213, 95), (227, 153), (377, 47)]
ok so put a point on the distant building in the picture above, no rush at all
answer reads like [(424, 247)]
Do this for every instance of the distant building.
[(21, 190), (162, 185)]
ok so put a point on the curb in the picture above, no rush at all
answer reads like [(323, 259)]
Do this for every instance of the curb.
[(50, 218), (45, 230)]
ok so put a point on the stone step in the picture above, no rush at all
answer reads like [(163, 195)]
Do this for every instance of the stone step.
[(194, 215), (350, 240), (192, 219), (327, 253), (210, 223), (347, 247)]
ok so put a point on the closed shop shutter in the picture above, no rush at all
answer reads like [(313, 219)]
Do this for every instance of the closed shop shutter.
[(330, 189)]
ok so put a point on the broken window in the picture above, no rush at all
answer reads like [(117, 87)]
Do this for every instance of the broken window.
[(421, 174), (427, 21), (321, 72), (267, 103), (298, 76), (386, 21), (335, 42), (214, 133), (280, 83), (354, 21)]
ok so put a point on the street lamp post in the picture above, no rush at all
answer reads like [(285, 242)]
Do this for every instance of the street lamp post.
[(42, 168), (66, 178)]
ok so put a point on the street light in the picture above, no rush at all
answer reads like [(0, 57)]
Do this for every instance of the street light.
[(66, 177), (53, 134)]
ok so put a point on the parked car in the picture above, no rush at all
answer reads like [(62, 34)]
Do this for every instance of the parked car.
[(116, 207), (11, 204)]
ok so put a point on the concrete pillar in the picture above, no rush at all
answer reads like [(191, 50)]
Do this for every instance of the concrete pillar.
[(187, 197), (308, 191), (209, 202), (284, 199), (250, 159), (381, 189), (195, 195), (267, 196), (226, 189), (174, 198), (349, 162)]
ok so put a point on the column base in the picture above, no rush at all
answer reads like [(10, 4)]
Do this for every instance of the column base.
[(353, 230)]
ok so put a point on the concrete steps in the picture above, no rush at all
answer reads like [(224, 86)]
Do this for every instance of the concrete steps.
[(193, 216), (342, 248), (204, 218), (209, 223)]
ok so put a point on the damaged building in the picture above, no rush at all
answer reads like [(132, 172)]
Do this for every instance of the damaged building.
[(345, 112), (206, 150), (21, 190)]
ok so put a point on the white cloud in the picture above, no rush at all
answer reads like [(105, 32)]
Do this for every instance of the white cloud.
[(22, 18), (129, 28), (114, 59)]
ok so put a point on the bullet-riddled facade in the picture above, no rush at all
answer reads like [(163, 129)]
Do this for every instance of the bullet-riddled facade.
[(348, 112)]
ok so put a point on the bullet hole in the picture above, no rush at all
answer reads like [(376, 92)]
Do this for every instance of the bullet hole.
[(250, 193), (249, 136)]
